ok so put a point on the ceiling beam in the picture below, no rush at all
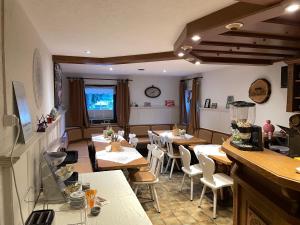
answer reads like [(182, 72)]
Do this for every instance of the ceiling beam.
[(261, 2), (226, 60), (151, 57)]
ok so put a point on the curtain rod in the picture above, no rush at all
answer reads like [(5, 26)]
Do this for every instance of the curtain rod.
[(191, 78), (89, 78)]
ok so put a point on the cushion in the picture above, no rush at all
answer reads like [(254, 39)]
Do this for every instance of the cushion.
[(140, 131), (142, 176), (217, 138), (204, 134)]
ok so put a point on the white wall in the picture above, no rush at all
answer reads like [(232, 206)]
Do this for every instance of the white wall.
[(21, 41), (236, 80), (156, 115)]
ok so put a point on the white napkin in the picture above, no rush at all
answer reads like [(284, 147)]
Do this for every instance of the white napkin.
[(124, 156)]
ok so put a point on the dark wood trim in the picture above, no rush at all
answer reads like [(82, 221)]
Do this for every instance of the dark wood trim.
[(151, 57), (226, 60), (90, 78), (261, 2)]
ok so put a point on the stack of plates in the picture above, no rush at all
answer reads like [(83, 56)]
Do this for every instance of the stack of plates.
[(77, 199)]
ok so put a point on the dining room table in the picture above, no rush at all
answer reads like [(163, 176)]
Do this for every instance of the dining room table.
[(185, 139), (127, 157)]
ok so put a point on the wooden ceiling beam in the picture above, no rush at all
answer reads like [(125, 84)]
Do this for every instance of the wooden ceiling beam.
[(227, 60), (151, 57), (262, 2)]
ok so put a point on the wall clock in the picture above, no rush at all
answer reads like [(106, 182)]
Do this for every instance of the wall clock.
[(260, 91), (152, 92)]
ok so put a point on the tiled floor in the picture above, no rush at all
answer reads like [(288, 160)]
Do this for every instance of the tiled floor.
[(176, 207)]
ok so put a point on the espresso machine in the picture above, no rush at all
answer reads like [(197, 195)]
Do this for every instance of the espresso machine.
[(245, 135)]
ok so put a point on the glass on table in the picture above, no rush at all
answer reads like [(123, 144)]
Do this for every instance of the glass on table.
[(90, 197)]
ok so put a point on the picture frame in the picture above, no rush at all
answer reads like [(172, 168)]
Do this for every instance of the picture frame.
[(147, 104), (207, 103), (230, 99), (214, 105)]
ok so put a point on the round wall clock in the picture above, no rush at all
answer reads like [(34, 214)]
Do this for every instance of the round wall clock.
[(260, 91), (152, 92), (37, 78)]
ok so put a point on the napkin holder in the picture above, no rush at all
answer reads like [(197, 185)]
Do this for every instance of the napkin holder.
[(115, 146)]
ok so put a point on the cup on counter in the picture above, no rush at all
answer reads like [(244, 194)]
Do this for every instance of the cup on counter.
[(90, 197), (85, 186)]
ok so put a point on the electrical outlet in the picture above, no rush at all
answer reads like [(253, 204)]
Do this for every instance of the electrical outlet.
[(10, 120)]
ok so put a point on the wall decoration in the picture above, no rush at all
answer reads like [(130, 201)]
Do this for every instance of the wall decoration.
[(57, 86), (214, 105), (230, 99), (147, 104), (207, 103), (23, 111), (37, 78), (169, 103), (260, 91), (152, 92)]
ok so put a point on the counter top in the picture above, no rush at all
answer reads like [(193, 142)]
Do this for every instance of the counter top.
[(276, 167)]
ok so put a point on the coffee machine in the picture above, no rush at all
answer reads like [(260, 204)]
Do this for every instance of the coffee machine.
[(245, 135)]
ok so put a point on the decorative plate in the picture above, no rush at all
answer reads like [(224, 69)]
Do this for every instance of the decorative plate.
[(152, 92), (37, 78), (260, 91)]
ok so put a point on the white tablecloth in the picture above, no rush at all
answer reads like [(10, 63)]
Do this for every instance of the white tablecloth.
[(101, 138), (124, 156), (208, 150), (169, 134)]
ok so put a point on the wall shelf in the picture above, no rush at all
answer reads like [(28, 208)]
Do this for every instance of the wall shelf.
[(215, 110), (153, 107)]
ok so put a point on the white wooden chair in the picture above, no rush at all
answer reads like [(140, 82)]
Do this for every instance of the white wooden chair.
[(150, 148), (150, 177), (172, 155), (215, 181), (121, 133), (150, 135), (134, 141), (157, 142), (188, 169)]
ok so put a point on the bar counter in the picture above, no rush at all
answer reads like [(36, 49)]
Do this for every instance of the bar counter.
[(266, 187)]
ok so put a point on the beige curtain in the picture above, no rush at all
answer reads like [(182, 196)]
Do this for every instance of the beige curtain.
[(123, 104), (194, 121), (182, 106), (77, 113)]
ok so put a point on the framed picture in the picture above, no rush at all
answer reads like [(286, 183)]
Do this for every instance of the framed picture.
[(230, 99), (147, 104), (207, 103), (214, 105)]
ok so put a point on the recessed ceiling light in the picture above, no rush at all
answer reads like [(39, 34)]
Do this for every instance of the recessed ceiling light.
[(111, 69), (292, 8), (186, 47), (164, 71), (197, 63), (196, 37), (87, 52), (180, 54), (234, 26)]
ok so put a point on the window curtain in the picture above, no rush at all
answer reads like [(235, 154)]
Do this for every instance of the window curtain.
[(77, 113), (182, 106), (194, 121), (123, 104)]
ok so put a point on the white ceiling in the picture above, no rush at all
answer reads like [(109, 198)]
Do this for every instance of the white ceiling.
[(114, 27), (173, 68)]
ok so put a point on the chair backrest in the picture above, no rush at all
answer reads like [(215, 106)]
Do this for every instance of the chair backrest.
[(131, 135), (185, 157), (121, 133), (169, 144), (92, 156), (150, 148), (156, 140), (150, 135), (208, 168), (134, 141), (156, 161)]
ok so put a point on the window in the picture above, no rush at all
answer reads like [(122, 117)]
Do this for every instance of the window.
[(101, 103)]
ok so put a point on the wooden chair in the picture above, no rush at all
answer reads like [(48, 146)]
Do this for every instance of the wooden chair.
[(215, 181), (150, 148), (150, 135), (92, 156), (188, 169), (157, 141), (150, 177), (172, 155)]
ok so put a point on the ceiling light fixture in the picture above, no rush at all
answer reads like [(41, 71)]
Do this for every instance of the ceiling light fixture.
[(292, 8), (141, 69), (197, 63), (234, 26), (164, 71), (87, 52), (111, 69), (196, 37), (180, 54), (186, 47)]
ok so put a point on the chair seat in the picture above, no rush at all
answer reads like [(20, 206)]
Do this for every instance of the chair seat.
[(143, 177), (144, 169), (194, 170), (220, 180), (144, 140)]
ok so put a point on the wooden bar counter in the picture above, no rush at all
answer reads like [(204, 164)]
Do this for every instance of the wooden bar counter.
[(266, 187)]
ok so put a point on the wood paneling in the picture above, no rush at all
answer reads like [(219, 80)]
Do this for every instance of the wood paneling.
[(151, 57)]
